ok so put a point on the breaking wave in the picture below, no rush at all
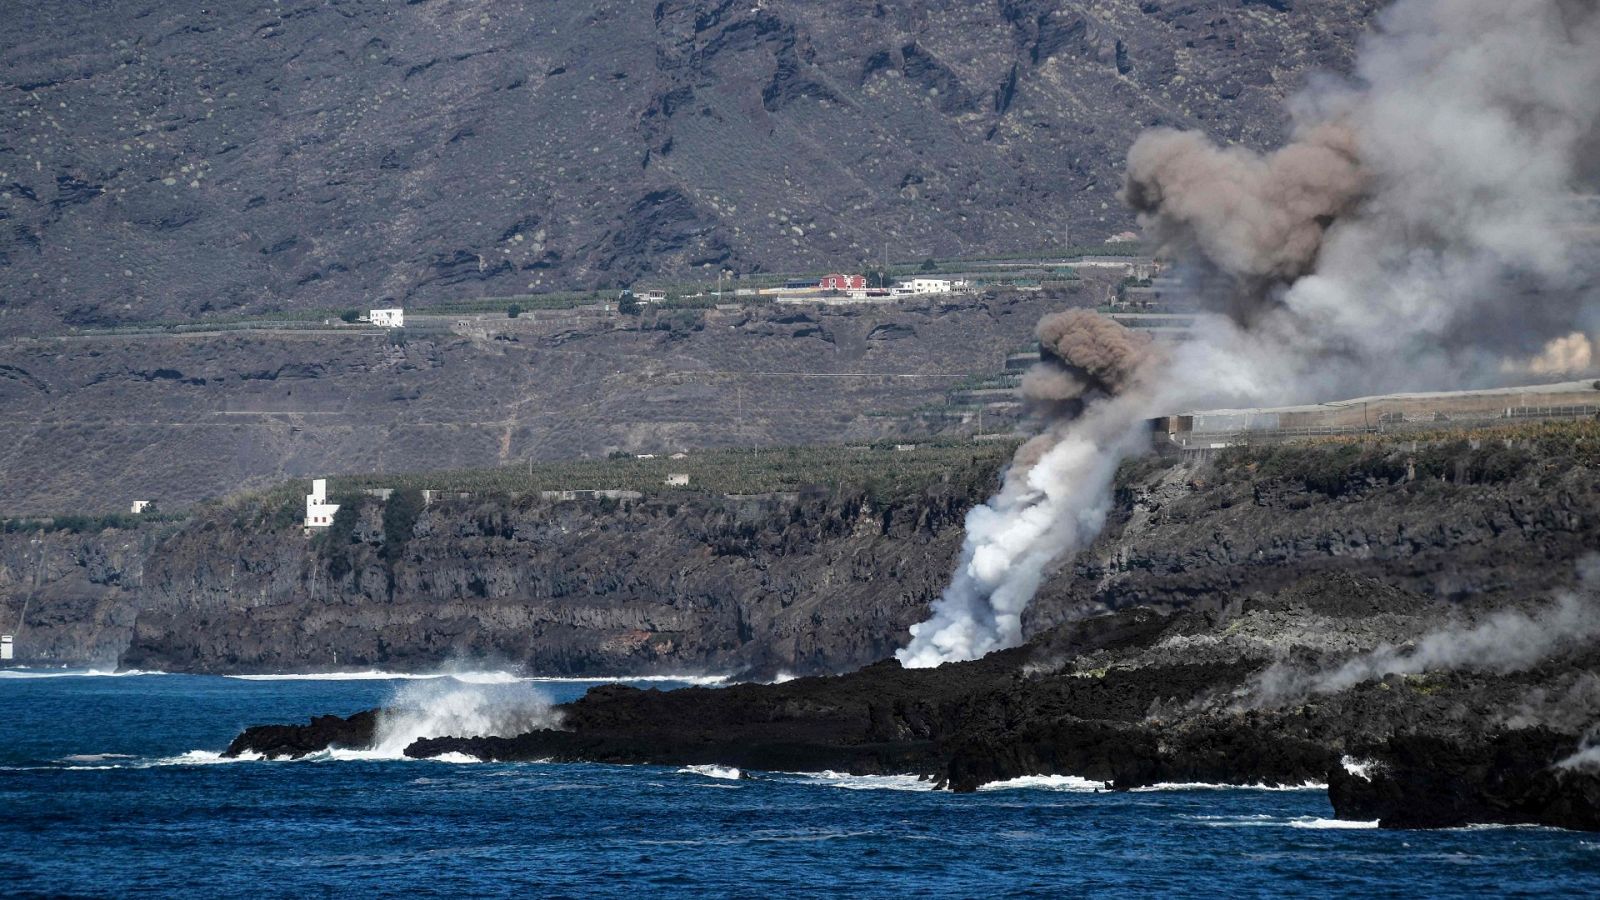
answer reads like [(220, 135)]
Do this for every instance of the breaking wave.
[(1048, 783), (1264, 821), (727, 772), (24, 672), (487, 677), (865, 782), (430, 709)]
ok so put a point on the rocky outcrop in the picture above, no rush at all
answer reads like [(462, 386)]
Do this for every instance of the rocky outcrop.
[(1421, 780), (1106, 700), (295, 741)]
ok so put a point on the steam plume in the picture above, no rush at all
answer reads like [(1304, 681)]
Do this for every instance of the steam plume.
[(1415, 234), (1507, 642)]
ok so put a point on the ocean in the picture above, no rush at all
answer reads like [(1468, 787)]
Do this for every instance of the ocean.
[(113, 786)]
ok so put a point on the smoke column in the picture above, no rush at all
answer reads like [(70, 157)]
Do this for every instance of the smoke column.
[(1424, 229)]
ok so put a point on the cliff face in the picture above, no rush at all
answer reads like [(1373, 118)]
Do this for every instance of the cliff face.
[(187, 159), (818, 583), (74, 596), (1479, 521), (825, 581)]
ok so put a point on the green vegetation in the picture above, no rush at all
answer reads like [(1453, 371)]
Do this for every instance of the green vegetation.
[(80, 524), (350, 316), (628, 305), (513, 311), (400, 513), (879, 471)]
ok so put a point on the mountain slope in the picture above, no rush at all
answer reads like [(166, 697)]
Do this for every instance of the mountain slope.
[(179, 160)]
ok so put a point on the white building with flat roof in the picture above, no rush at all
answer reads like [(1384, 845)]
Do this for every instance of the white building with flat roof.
[(319, 512), (387, 318), (140, 506), (929, 285)]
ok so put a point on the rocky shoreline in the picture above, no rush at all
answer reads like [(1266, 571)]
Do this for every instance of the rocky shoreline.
[(1132, 699), (824, 580)]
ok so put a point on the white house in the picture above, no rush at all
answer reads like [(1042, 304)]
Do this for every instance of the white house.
[(387, 318), (319, 512), (140, 506), (929, 285), (677, 479)]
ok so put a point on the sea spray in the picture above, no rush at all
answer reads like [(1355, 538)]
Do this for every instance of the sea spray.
[(447, 708)]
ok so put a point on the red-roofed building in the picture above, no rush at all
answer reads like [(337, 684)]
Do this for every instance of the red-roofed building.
[(843, 282)]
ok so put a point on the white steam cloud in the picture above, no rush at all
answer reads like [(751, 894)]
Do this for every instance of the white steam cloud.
[(1508, 641), (1426, 223)]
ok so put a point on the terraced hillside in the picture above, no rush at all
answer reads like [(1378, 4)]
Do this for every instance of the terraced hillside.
[(90, 424)]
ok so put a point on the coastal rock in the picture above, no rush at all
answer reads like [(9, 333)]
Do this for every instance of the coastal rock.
[(1103, 700), (294, 741), (1418, 780)]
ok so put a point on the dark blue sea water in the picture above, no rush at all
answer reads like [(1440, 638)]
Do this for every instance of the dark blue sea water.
[(109, 787)]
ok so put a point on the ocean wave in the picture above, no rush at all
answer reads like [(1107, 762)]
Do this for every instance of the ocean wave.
[(24, 672), (80, 759), (1336, 824), (728, 772), (865, 782), (197, 758), (1047, 783), (1265, 821), (485, 677), (1074, 783), (1207, 786)]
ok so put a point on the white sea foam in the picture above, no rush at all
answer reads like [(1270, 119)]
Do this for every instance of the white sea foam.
[(728, 772), (487, 677), (1208, 786), (1048, 783), (24, 672), (1360, 768), (430, 709), (199, 758), (81, 759), (867, 782), (1334, 824), (377, 675), (1264, 821)]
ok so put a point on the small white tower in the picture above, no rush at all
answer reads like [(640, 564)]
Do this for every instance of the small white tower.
[(319, 512)]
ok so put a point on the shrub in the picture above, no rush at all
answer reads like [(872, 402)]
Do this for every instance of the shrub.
[(513, 311), (350, 316), (400, 514)]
